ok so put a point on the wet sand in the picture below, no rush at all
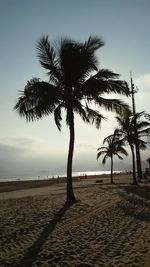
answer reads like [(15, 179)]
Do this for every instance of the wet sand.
[(108, 226)]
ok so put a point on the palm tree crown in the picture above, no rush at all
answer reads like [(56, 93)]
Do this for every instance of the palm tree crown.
[(130, 136), (114, 148), (127, 129), (69, 65)]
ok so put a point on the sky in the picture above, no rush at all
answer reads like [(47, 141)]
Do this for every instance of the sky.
[(32, 149)]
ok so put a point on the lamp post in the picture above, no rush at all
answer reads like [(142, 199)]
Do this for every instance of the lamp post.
[(138, 156)]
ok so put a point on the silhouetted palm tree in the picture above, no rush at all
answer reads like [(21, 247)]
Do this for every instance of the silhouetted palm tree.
[(114, 148), (127, 130), (69, 66), (142, 130)]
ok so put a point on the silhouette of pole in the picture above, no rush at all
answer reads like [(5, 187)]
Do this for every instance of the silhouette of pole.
[(132, 94), (138, 157)]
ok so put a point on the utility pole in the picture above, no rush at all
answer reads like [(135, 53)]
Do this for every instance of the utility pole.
[(138, 156), (132, 94)]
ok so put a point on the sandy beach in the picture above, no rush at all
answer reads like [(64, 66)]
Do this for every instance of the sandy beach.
[(108, 226)]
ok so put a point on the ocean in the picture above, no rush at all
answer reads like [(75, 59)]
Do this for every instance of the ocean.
[(43, 177)]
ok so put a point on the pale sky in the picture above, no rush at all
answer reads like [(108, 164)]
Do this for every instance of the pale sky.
[(39, 148)]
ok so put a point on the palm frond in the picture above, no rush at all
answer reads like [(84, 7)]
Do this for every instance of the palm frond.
[(58, 117), (37, 100), (138, 115), (142, 124), (104, 81), (94, 87), (116, 154), (119, 87), (100, 153), (147, 116), (144, 132), (94, 117), (115, 137), (104, 159), (48, 59), (102, 148), (141, 143), (93, 43), (115, 105), (80, 109), (105, 74), (123, 151)]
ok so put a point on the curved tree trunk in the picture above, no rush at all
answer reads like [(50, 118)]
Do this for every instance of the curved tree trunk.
[(111, 178), (70, 194), (133, 165)]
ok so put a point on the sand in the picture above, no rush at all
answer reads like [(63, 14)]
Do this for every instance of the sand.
[(109, 226)]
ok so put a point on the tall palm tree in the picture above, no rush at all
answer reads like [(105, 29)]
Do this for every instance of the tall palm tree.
[(114, 148), (142, 130), (127, 130), (69, 65)]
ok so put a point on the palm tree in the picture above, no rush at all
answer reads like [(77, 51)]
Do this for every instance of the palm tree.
[(127, 130), (142, 130), (114, 148), (70, 87)]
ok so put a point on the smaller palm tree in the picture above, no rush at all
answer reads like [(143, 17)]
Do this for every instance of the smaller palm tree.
[(114, 148), (127, 130)]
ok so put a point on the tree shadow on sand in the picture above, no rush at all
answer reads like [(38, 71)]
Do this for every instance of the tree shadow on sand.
[(141, 191), (110, 187), (134, 196), (36, 247)]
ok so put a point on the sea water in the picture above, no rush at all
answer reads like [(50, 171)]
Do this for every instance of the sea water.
[(43, 177)]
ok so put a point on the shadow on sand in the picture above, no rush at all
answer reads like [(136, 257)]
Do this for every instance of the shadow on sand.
[(110, 187), (36, 247), (134, 196), (142, 191)]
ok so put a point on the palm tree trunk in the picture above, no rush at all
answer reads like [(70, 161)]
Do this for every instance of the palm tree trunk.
[(138, 162), (111, 178), (70, 194), (133, 165)]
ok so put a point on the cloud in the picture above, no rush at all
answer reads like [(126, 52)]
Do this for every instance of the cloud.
[(6, 150), (27, 157), (85, 147), (143, 93), (23, 147), (143, 81)]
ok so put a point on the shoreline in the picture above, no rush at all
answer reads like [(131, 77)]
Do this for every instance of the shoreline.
[(9, 186), (55, 177)]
